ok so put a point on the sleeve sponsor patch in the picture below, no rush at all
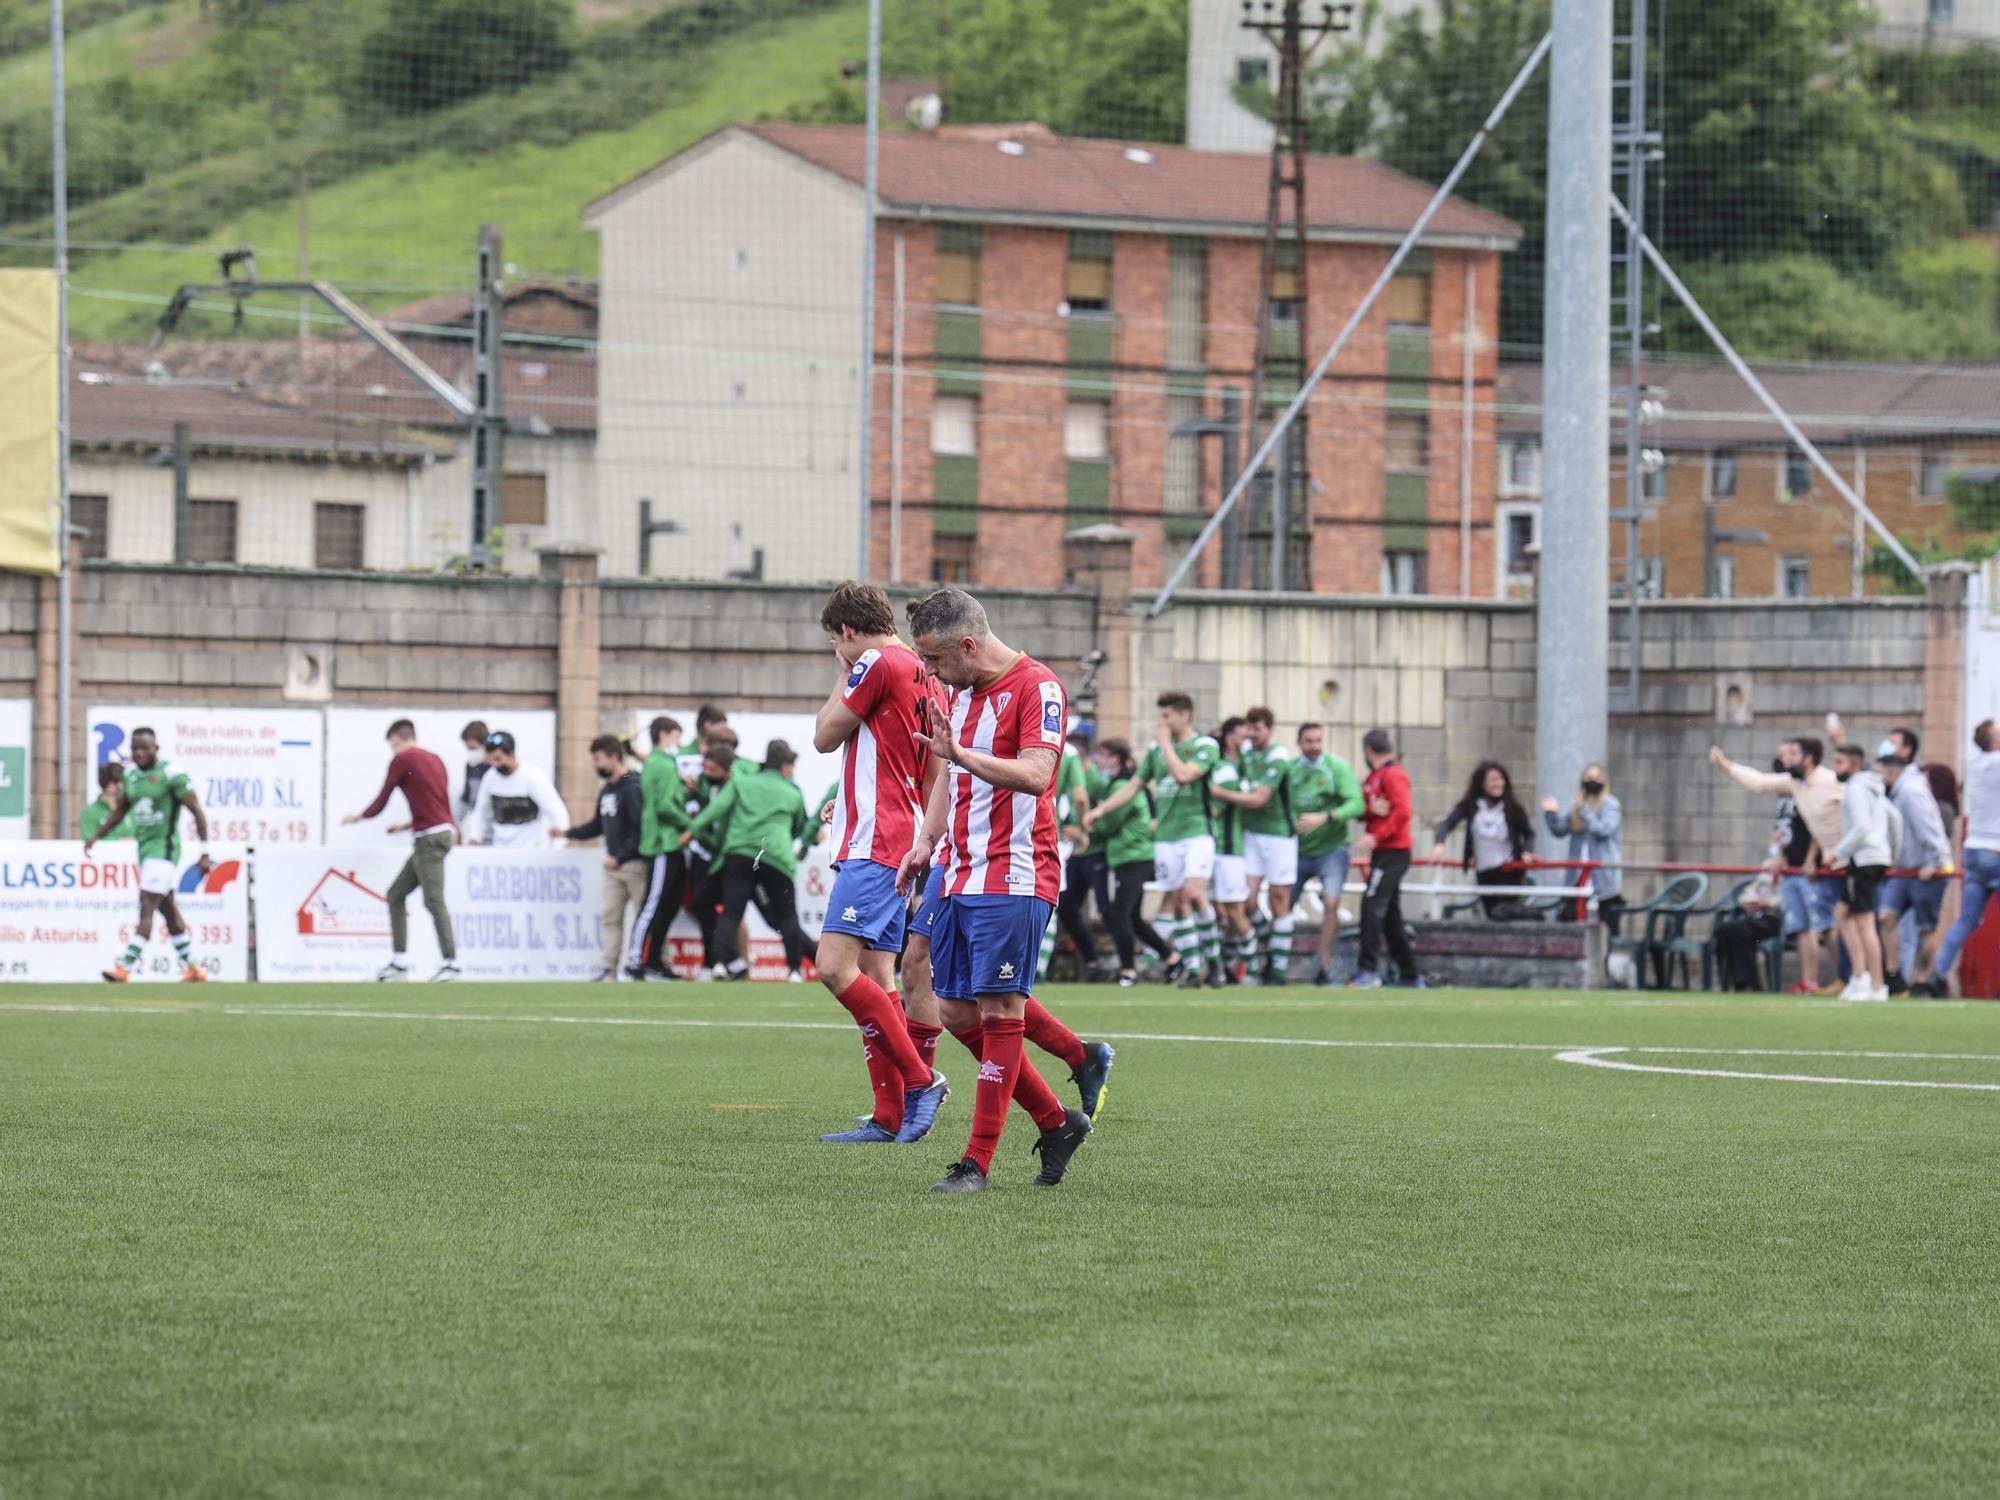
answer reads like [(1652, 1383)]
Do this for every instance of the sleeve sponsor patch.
[(1052, 714), (860, 668)]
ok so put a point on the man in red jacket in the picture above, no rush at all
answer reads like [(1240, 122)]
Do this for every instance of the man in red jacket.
[(1385, 844), (419, 776)]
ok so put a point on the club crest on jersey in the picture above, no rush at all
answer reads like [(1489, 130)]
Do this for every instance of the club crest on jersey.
[(1003, 700)]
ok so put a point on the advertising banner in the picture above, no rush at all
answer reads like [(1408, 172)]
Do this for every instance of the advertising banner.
[(17, 723), (64, 918), (30, 421), (323, 914), (257, 771), (357, 757)]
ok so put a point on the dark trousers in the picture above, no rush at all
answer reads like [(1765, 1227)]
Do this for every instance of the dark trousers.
[(1123, 917), (704, 879), (666, 884), (1382, 913), (1495, 905), (744, 880), (1738, 940), (1088, 874)]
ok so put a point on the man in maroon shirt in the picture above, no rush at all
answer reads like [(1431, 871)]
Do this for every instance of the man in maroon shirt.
[(419, 776), (1385, 844)]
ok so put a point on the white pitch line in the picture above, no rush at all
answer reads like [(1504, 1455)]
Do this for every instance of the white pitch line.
[(1596, 1057)]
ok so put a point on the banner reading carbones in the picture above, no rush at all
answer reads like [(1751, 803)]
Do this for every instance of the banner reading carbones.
[(65, 918)]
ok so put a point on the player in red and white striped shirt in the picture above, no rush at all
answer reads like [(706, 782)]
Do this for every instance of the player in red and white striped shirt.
[(874, 718), (997, 798)]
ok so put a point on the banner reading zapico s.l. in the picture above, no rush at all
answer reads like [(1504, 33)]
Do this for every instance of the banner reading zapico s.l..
[(65, 918), (257, 771), (516, 914)]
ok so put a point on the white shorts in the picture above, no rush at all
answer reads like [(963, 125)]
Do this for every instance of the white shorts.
[(1177, 862), (158, 877), (1272, 857), (1232, 881)]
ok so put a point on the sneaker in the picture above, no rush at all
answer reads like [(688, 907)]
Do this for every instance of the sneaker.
[(1802, 988), (658, 976), (194, 974), (445, 974), (391, 973), (1857, 987), (1190, 978), (1365, 979), (1323, 979), (921, 1106), (118, 974), (603, 976), (1056, 1147), (1127, 979), (1217, 978), (1419, 983), (1879, 992), (719, 971), (964, 1177), (1093, 1076), (1896, 984), (797, 976), (867, 1133), (1272, 976)]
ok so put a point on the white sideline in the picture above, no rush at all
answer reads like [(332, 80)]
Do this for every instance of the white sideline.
[(1598, 1057)]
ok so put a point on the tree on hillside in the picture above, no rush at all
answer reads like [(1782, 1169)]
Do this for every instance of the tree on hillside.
[(429, 53)]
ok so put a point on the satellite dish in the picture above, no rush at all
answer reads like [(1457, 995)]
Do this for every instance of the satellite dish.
[(926, 111)]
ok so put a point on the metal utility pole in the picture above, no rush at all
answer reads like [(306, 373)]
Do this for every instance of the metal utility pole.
[(183, 502), (1571, 654), (1281, 23), (868, 198), (1228, 427), (489, 425), (65, 602)]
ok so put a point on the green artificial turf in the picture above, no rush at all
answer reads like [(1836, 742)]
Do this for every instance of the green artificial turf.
[(266, 1252)]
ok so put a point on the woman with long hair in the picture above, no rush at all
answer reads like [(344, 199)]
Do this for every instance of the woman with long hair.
[(1595, 828), (1498, 832)]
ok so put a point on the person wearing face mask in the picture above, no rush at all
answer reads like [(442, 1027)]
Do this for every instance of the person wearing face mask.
[(1595, 828), (621, 804), (1815, 793), (1870, 831), (473, 737)]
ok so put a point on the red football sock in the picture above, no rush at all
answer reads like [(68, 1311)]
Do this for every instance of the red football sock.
[(972, 1041), (1032, 1093), (999, 1064), (1054, 1038), (925, 1038), (870, 1004)]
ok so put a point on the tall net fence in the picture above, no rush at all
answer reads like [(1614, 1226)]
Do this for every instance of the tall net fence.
[(1085, 309)]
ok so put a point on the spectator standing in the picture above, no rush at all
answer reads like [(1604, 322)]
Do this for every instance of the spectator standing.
[(663, 817), (1125, 835), (1982, 846), (473, 737), (1815, 795), (1385, 844), (420, 777), (1740, 935), (110, 796), (1869, 835), (1327, 798), (1910, 905), (621, 809), (1595, 828), (1498, 833), (756, 823), (516, 801)]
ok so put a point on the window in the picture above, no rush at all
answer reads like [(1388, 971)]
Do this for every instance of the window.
[(1723, 585), (1187, 265), (958, 247), (211, 531), (1084, 425), (1407, 300), (1087, 282), (1520, 530), (524, 500), (1251, 72), (951, 559), (1287, 285), (1798, 475), (1722, 475), (1931, 471), (955, 425), (90, 521), (1941, 13), (337, 533), (1794, 577), (1402, 572), (1406, 443), (1649, 576), (1182, 493), (1653, 481), (1524, 468)]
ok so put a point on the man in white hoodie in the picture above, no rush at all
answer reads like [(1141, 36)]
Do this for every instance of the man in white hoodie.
[(1868, 839), (516, 802)]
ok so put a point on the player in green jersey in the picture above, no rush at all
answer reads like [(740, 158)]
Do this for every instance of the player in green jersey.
[(154, 795), (110, 791), (1176, 770), (1270, 843), (1231, 887)]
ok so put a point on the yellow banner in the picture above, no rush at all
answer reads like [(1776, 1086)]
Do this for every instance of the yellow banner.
[(30, 423)]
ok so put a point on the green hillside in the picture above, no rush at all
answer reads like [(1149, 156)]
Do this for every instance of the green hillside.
[(397, 198)]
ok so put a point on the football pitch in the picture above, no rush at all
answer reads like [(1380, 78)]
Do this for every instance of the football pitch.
[(582, 1241)]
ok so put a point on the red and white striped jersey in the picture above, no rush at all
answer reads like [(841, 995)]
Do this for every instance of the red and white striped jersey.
[(1004, 843), (877, 805)]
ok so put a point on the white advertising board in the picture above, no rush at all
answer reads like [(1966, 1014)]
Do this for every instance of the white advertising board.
[(257, 771), (323, 914), (357, 758), (64, 918), (17, 739)]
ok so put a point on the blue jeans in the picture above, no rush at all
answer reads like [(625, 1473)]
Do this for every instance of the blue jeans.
[(1982, 884)]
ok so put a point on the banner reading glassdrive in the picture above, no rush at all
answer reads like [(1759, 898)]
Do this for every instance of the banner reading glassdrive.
[(64, 918)]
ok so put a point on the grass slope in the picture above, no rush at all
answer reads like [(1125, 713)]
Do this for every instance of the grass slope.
[(276, 1254), (404, 230)]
